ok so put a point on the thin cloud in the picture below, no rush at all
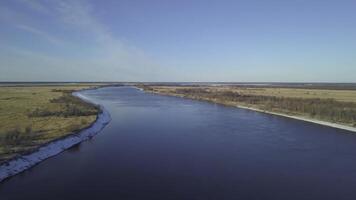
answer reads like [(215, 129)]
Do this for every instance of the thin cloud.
[(103, 55), (36, 5), (80, 15), (41, 34)]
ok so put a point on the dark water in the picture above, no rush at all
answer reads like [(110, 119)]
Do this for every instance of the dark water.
[(159, 147)]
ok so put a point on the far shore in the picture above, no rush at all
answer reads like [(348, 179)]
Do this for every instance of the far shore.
[(329, 124), (315, 121)]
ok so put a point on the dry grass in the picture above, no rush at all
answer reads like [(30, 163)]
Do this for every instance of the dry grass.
[(336, 106), (16, 106), (338, 95)]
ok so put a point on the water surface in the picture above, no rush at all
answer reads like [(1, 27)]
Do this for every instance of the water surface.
[(159, 147)]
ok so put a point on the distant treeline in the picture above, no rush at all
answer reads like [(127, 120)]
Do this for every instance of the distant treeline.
[(71, 106), (323, 109), (317, 86)]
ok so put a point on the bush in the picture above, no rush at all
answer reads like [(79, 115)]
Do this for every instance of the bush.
[(72, 106), (17, 138), (325, 109), (28, 129), (13, 137)]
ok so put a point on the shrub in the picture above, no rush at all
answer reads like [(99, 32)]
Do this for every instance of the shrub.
[(325, 109), (12, 137), (72, 106), (28, 129)]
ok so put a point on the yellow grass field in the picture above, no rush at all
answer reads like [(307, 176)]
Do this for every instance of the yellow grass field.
[(338, 95), (327, 105), (21, 132)]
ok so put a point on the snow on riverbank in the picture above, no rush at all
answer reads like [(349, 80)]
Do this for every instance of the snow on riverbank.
[(25, 162), (315, 121), (329, 124)]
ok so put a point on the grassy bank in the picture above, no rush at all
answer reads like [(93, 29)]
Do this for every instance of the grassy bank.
[(334, 106), (34, 115)]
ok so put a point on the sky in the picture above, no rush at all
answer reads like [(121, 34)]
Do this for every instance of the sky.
[(181, 40)]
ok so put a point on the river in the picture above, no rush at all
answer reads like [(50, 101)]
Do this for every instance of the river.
[(160, 147)]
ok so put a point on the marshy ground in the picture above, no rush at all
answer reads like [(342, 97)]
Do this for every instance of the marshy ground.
[(33, 115)]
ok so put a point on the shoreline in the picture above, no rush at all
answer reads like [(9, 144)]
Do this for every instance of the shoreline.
[(314, 121), (22, 163)]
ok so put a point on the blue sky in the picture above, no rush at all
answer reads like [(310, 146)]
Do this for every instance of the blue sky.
[(185, 40)]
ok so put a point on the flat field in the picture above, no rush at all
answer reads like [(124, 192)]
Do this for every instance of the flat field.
[(31, 116), (338, 95)]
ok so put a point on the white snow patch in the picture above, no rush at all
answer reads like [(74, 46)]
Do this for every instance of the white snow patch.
[(24, 162)]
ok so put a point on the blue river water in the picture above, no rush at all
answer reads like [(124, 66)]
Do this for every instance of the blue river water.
[(160, 147)]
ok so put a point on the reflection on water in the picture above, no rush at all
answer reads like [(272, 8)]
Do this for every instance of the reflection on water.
[(159, 147)]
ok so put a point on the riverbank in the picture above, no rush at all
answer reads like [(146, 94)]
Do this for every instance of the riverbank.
[(233, 104), (24, 162), (329, 124), (31, 116)]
